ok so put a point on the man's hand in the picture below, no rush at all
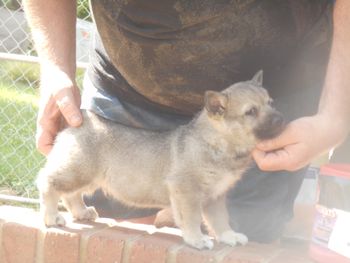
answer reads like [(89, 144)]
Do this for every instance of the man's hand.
[(302, 141), (53, 28), (59, 105), (306, 138)]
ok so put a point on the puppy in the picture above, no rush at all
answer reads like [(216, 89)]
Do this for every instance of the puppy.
[(188, 169)]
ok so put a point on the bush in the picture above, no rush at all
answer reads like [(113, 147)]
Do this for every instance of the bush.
[(20, 72), (11, 4)]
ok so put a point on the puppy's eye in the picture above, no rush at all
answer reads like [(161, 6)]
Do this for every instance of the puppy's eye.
[(252, 112)]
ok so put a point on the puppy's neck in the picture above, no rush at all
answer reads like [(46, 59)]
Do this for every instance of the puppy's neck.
[(207, 130)]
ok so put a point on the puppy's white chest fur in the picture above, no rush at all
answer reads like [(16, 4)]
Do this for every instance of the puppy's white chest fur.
[(223, 185), (216, 183)]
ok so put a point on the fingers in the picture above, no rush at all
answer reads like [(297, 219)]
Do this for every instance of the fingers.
[(285, 152), (48, 125), (287, 137), (44, 141), (68, 104), (289, 158), (64, 105)]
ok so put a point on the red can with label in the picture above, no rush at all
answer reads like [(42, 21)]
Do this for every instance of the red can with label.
[(331, 230)]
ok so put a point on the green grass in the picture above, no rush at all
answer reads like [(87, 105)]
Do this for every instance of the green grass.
[(19, 159)]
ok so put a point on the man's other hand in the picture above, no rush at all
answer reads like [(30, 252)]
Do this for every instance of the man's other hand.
[(302, 141)]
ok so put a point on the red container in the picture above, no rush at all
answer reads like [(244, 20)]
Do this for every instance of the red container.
[(331, 231)]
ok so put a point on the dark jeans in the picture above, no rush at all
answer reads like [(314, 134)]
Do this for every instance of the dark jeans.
[(262, 203)]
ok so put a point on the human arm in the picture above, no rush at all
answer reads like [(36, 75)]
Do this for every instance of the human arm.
[(53, 29), (306, 138)]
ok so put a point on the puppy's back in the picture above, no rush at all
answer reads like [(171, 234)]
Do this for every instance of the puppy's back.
[(129, 163)]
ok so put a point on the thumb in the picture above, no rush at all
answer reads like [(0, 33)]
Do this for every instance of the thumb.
[(69, 107)]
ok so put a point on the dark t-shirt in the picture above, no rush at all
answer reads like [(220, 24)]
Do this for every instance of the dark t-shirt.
[(164, 54)]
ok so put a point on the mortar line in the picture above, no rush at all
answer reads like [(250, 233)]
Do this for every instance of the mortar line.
[(172, 253), (84, 238), (127, 248)]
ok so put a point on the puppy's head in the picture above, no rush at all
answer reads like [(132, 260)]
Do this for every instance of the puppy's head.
[(244, 111)]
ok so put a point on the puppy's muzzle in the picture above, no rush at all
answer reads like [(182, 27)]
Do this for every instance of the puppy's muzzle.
[(272, 125)]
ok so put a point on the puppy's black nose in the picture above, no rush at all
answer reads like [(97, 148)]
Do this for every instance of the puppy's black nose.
[(277, 120), (272, 126)]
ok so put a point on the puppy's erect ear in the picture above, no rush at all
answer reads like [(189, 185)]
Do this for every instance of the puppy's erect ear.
[(258, 78), (215, 102)]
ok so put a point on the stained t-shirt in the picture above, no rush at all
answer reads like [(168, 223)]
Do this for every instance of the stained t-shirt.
[(163, 54)]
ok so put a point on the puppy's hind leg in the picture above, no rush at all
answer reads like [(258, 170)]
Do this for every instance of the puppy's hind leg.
[(55, 182), (75, 204), (49, 198)]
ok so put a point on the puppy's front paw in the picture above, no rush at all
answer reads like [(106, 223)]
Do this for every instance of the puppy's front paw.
[(204, 242), (232, 238), (88, 214), (54, 220)]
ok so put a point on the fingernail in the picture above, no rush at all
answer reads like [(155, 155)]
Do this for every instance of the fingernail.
[(75, 119)]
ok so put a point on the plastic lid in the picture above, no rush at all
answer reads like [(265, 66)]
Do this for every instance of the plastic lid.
[(336, 169)]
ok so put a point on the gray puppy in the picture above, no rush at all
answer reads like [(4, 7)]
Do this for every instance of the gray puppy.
[(189, 169)]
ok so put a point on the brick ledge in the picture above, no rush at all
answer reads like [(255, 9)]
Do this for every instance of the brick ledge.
[(23, 239)]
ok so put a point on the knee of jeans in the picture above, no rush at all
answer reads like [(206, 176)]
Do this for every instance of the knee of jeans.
[(263, 227)]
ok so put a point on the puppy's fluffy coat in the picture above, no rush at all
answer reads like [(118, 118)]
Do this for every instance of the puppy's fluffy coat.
[(189, 168)]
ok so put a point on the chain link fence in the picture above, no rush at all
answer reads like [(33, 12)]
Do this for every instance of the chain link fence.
[(19, 82)]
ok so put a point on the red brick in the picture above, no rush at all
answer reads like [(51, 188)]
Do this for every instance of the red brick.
[(18, 243), (64, 244), (61, 246), (149, 220), (22, 236), (107, 245), (190, 255), (2, 221), (291, 257), (252, 253), (294, 251), (152, 248)]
